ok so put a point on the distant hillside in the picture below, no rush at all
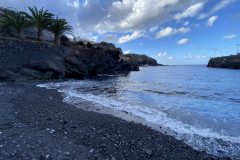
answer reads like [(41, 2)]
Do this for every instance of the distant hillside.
[(232, 62), (140, 60)]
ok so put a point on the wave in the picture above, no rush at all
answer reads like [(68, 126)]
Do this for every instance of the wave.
[(203, 139)]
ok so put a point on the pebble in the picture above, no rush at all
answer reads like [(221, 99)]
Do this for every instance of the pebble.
[(0, 132), (91, 150), (52, 131), (47, 129), (1, 146), (67, 153), (148, 151)]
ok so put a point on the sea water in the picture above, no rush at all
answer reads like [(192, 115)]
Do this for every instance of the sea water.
[(196, 104)]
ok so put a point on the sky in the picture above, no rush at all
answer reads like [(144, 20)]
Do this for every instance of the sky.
[(174, 32)]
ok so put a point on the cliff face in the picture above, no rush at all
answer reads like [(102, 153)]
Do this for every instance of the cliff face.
[(232, 62), (140, 60), (29, 60)]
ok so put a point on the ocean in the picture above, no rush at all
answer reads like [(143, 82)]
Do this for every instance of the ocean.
[(195, 104)]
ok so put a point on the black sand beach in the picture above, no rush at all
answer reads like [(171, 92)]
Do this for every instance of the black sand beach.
[(36, 124)]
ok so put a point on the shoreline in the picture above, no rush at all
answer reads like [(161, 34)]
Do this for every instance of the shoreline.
[(36, 123)]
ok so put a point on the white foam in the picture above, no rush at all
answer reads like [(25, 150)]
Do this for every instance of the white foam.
[(199, 138)]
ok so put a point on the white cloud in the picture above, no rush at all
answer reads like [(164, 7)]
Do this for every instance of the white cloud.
[(201, 57), (189, 56), (211, 20), (93, 38), (131, 15), (222, 4), (127, 52), (91, 17), (162, 54), (171, 31), (153, 28), (230, 36), (186, 23), (170, 58), (110, 38), (183, 41), (190, 12), (134, 35)]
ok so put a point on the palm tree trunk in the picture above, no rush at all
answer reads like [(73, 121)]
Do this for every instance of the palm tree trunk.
[(40, 35), (20, 34), (57, 39)]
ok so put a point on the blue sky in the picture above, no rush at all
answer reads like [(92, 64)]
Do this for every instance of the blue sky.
[(171, 31)]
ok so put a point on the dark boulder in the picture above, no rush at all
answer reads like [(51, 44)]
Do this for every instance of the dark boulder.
[(64, 38), (75, 68), (89, 45), (81, 43)]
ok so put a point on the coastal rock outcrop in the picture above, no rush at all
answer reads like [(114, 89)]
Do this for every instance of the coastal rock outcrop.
[(140, 60), (29, 60), (99, 58), (231, 62)]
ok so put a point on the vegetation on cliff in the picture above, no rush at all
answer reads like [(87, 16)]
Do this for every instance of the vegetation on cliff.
[(58, 27), (16, 20), (41, 19)]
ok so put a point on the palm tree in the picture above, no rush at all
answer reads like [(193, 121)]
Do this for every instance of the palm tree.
[(58, 27), (39, 19), (15, 20)]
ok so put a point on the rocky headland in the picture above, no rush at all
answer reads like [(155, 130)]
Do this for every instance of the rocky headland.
[(30, 59), (140, 60), (231, 62)]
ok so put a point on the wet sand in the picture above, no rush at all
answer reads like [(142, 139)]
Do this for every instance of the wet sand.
[(36, 124)]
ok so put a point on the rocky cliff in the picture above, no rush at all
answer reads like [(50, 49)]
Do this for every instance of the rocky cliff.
[(140, 60), (232, 62), (29, 60)]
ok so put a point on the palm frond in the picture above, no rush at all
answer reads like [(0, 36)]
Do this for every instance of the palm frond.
[(59, 26), (14, 19), (39, 18)]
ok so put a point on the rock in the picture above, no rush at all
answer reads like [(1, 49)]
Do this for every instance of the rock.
[(89, 45), (80, 43), (26, 60), (139, 60), (67, 153), (148, 151), (75, 68), (47, 156), (231, 62), (52, 131), (64, 38)]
